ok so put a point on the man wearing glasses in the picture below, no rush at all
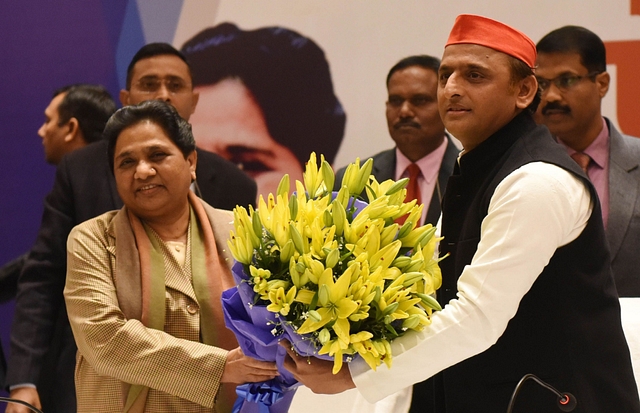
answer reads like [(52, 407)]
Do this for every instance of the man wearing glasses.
[(573, 80)]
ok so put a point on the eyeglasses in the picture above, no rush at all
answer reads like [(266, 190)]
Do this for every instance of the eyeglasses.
[(564, 82), (174, 85)]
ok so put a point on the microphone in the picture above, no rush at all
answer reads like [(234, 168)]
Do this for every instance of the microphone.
[(566, 401), (10, 400)]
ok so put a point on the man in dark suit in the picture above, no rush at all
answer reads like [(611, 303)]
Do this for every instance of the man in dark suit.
[(74, 118), (3, 364), (416, 128), (572, 72), (42, 346)]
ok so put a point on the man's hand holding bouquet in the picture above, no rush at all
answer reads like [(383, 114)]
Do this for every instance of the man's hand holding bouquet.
[(335, 276)]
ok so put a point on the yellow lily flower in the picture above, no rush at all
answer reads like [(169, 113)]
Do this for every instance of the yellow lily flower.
[(385, 256), (350, 175), (312, 176), (264, 211), (288, 251), (305, 296), (259, 279), (298, 273), (328, 177), (336, 349), (259, 272), (314, 268), (260, 288), (384, 348), (355, 230), (368, 352), (281, 302), (242, 223), (336, 306), (240, 248), (362, 177), (280, 218)]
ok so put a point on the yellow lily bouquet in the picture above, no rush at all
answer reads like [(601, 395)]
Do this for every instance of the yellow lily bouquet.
[(342, 276)]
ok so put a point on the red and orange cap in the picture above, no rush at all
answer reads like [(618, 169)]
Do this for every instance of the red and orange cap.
[(472, 29)]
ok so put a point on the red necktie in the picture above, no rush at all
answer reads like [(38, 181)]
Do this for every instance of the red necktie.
[(582, 159), (413, 189)]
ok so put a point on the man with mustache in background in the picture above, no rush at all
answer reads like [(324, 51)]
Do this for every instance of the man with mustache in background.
[(573, 80), (422, 145)]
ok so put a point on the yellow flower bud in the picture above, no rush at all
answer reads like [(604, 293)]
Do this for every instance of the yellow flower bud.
[(397, 186), (297, 239), (315, 316), (323, 295), (327, 175), (430, 302), (339, 216), (286, 253), (332, 258), (411, 322), (324, 336), (283, 186)]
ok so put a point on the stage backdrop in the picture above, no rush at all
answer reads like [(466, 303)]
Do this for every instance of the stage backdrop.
[(44, 45)]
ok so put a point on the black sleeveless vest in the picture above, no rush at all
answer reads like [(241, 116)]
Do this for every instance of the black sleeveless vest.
[(567, 329)]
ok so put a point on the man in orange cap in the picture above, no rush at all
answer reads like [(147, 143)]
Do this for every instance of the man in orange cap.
[(528, 284)]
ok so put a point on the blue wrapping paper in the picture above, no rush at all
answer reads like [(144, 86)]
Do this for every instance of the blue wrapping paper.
[(258, 332), (254, 327)]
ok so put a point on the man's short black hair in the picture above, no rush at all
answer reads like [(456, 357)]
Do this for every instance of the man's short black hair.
[(287, 74), (519, 71), (90, 105), (158, 112), (151, 50), (576, 39), (424, 61)]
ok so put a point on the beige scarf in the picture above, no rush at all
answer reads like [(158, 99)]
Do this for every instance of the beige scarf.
[(142, 296)]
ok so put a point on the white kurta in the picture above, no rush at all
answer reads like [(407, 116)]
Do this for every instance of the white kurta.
[(533, 211)]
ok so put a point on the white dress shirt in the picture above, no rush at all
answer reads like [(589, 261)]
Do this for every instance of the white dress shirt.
[(533, 211)]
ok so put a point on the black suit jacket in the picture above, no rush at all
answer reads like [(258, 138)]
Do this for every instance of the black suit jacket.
[(9, 274), (384, 167), (42, 345), (3, 364)]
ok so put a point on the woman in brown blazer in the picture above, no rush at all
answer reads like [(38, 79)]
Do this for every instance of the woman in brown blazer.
[(144, 283)]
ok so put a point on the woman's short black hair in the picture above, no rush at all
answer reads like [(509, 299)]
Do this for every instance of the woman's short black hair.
[(288, 75), (157, 112)]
